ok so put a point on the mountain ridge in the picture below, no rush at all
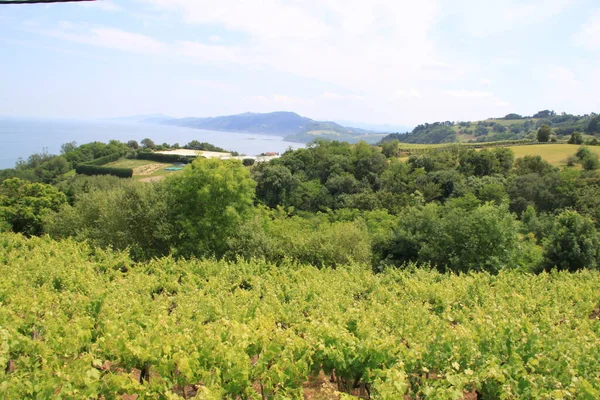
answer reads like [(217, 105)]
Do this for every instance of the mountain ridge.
[(510, 127), (290, 125)]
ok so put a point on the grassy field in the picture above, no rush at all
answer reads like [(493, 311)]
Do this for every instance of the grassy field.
[(144, 169), (555, 154)]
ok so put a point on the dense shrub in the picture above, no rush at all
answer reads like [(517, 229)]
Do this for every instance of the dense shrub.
[(459, 237), (104, 160), (131, 216), (165, 158), (78, 185), (572, 244), (24, 205), (275, 237), (85, 169)]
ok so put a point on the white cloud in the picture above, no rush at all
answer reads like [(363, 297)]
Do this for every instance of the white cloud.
[(562, 75), (270, 19), (391, 55), (478, 95), (588, 35), (353, 44), (487, 18), (110, 38), (206, 53)]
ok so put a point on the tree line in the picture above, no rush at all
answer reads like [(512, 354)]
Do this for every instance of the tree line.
[(332, 204)]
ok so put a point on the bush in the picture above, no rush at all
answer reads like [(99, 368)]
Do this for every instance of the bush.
[(576, 138), (544, 133), (78, 185), (165, 158), (572, 160), (582, 152), (24, 205), (458, 238), (85, 169), (573, 244), (104, 160), (248, 162), (317, 241), (590, 162), (132, 216)]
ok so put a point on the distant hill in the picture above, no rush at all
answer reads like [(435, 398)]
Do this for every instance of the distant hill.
[(281, 123), (510, 127)]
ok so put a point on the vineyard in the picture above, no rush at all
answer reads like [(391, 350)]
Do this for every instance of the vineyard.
[(82, 323)]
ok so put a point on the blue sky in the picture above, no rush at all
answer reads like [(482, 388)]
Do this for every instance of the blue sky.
[(377, 61)]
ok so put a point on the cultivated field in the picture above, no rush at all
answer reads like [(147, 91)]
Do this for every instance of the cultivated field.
[(144, 170), (84, 324), (555, 154)]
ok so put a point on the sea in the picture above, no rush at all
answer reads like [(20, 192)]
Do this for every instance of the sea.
[(21, 137)]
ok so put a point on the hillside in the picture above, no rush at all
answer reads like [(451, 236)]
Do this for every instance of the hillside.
[(510, 127), (281, 123)]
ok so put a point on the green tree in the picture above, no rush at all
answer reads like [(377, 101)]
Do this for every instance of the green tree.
[(482, 239), (513, 116), (573, 243), (133, 144), (544, 133), (396, 178), (576, 138), (208, 203), (590, 162), (533, 165), (148, 144), (459, 237), (485, 162), (120, 214), (589, 159), (51, 170), (68, 147), (25, 205), (544, 114), (588, 202), (275, 184), (594, 125), (390, 149)]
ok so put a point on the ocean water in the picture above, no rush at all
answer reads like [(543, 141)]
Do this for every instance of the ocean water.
[(21, 137)]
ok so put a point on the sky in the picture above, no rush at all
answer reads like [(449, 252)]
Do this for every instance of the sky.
[(378, 61)]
